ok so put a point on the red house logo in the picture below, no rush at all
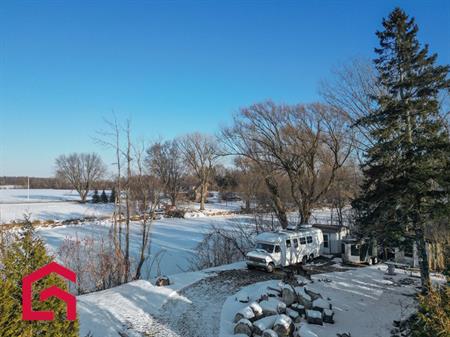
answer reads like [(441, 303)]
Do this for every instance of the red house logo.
[(28, 314)]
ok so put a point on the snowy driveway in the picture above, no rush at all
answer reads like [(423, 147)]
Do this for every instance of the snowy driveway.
[(196, 312)]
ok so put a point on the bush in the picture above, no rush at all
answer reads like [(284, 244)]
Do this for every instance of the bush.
[(433, 317), (22, 256), (175, 213)]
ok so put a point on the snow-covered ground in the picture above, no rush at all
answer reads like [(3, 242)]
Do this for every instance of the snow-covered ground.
[(47, 204), (365, 301), (36, 195), (176, 238), (203, 304)]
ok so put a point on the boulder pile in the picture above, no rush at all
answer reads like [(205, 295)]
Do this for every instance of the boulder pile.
[(282, 311)]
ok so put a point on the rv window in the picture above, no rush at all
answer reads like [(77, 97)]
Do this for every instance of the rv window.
[(295, 243), (309, 239), (277, 249), (302, 241), (265, 246), (325, 240), (288, 243)]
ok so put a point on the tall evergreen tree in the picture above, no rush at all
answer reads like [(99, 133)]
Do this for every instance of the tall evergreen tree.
[(407, 170), (25, 255), (95, 197), (104, 197)]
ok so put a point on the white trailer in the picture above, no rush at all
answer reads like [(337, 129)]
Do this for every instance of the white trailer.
[(285, 248)]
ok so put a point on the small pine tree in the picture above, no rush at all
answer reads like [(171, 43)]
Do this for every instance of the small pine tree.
[(112, 196), (25, 255), (104, 197), (95, 197)]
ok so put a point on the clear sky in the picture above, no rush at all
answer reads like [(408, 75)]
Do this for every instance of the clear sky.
[(172, 66)]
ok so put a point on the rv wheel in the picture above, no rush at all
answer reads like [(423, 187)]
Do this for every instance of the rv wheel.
[(304, 260), (270, 267), (369, 262), (311, 257), (375, 260)]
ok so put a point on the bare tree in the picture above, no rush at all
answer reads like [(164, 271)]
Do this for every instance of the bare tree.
[(308, 143), (144, 189), (111, 138), (80, 170), (165, 161), (200, 153)]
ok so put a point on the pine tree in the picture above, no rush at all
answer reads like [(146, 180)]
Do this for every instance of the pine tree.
[(112, 196), (25, 255), (95, 197), (103, 197), (406, 170)]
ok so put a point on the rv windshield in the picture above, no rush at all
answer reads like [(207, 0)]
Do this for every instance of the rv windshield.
[(265, 246)]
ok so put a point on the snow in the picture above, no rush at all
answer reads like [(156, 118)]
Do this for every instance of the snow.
[(176, 239), (364, 300), (284, 321), (134, 305), (266, 322), (47, 204), (313, 314), (37, 195)]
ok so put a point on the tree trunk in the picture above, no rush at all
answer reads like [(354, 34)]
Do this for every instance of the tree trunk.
[(202, 196), (247, 205), (305, 213), (173, 199), (422, 250), (278, 204)]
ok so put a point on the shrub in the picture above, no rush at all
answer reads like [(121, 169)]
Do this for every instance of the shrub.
[(433, 317), (175, 213), (25, 254)]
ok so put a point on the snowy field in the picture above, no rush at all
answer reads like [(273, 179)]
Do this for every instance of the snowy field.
[(175, 238), (47, 204), (20, 196)]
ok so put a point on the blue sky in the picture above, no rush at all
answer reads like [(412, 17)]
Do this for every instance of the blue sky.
[(172, 66)]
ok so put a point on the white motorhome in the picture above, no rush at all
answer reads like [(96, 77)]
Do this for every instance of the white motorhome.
[(285, 248)]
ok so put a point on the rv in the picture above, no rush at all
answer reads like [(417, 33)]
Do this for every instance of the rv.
[(285, 248)]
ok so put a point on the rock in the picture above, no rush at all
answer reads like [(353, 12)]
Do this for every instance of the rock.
[(244, 313), (303, 297), (299, 308), (269, 333), (272, 306), (314, 317), (294, 315), (162, 281), (320, 305), (244, 326), (263, 324), (288, 295), (283, 325), (257, 310), (328, 316)]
